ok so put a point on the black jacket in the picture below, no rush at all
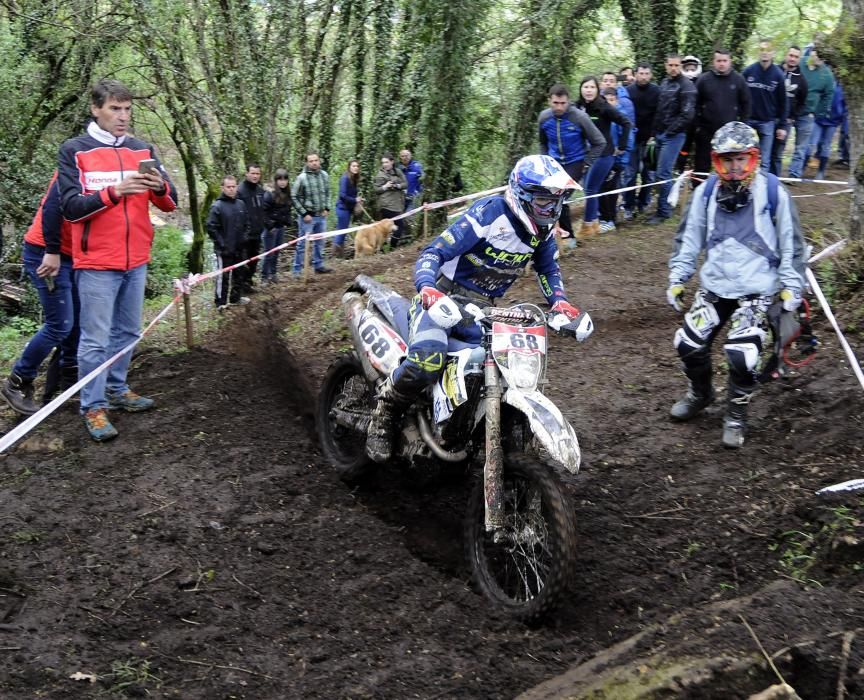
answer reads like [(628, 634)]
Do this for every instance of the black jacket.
[(796, 91), (603, 114), (277, 215), (228, 225), (644, 98), (721, 98), (675, 106), (253, 198)]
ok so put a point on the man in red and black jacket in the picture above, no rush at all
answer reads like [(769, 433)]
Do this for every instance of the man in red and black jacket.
[(47, 256), (107, 201)]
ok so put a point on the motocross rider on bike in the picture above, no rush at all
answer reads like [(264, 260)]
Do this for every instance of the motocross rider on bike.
[(479, 256)]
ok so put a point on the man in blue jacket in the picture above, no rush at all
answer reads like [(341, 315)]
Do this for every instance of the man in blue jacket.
[(768, 105), (563, 131)]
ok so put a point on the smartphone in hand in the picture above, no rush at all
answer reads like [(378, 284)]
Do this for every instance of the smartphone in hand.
[(145, 167)]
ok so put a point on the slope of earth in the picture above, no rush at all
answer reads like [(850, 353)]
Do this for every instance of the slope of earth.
[(209, 552)]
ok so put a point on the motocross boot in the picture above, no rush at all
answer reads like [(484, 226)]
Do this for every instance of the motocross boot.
[(380, 435), (700, 394), (735, 420)]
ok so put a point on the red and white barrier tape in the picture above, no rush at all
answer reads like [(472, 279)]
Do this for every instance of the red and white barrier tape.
[(185, 286), (20, 430)]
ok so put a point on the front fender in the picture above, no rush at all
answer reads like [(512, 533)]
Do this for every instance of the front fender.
[(548, 425)]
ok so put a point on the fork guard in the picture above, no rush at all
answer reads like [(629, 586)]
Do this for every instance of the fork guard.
[(549, 426)]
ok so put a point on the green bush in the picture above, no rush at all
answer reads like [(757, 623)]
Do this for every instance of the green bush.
[(167, 261)]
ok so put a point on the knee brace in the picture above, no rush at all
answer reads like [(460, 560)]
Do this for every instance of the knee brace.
[(700, 322), (744, 343)]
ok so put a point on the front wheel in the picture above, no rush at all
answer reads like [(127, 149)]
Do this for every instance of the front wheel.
[(525, 568), (345, 392)]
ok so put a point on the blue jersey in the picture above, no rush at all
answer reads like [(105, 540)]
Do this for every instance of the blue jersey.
[(486, 249)]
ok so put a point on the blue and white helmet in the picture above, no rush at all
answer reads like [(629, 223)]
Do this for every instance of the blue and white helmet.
[(536, 191)]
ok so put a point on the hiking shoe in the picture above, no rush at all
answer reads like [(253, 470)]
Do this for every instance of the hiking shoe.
[(18, 393), (323, 270), (655, 220), (628, 215), (130, 402), (98, 425)]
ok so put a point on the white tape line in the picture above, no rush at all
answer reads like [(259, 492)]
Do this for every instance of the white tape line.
[(828, 252), (22, 429), (851, 485), (853, 361)]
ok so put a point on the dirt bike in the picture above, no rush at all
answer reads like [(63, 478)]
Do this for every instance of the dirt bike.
[(487, 405)]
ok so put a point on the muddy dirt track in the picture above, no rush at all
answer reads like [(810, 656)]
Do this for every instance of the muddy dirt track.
[(209, 552)]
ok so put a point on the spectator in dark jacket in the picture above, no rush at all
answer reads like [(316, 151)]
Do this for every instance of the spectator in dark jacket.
[(768, 108), (228, 227), (722, 96), (796, 96), (569, 136), (347, 200), (675, 108), (820, 90), (252, 195), (823, 130), (644, 95), (603, 115), (277, 218)]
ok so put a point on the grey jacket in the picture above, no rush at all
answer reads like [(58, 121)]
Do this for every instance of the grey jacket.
[(755, 260)]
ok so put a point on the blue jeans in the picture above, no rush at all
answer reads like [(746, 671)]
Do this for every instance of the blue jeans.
[(317, 225), (668, 148), (60, 308), (820, 140), (594, 179), (111, 305), (803, 129), (270, 239), (343, 220), (766, 142), (638, 166)]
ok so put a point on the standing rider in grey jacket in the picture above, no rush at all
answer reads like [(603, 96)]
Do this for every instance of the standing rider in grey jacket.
[(748, 260)]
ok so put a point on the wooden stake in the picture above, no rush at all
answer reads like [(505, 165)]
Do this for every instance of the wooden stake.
[(307, 256), (187, 309), (425, 223)]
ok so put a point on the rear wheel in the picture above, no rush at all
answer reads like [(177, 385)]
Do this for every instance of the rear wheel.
[(345, 393), (525, 568)]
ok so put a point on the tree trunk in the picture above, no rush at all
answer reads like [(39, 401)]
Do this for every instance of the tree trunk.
[(845, 49)]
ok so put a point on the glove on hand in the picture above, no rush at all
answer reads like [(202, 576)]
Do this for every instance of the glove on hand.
[(791, 299), (582, 321), (566, 308), (429, 295), (674, 296)]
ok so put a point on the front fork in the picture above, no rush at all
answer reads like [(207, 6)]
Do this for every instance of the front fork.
[(493, 469)]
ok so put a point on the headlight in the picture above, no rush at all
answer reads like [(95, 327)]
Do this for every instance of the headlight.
[(524, 370)]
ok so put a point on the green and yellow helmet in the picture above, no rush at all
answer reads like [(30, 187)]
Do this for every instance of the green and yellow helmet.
[(735, 137)]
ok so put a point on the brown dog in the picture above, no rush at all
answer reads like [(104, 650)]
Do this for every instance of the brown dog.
[(369, 239)]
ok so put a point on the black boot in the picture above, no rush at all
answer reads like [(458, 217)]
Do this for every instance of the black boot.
[(379, 437), (700, 394), (18, 393), (735, 420)]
